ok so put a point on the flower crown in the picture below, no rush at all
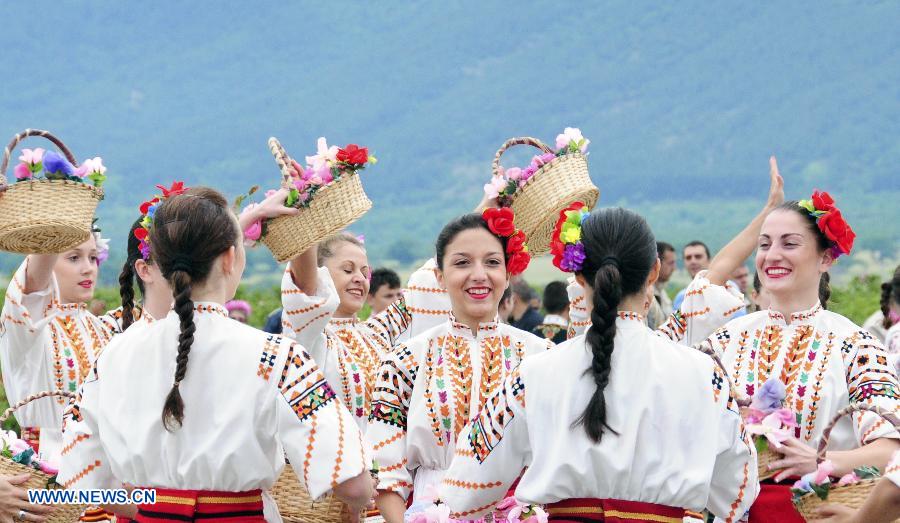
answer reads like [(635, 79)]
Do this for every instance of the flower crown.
[(830, 222), (565, 244), (148, 210), (504, 186), (500, 222), (56, 167)]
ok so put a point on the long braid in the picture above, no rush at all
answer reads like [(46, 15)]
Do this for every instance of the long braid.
[(126, 292), (173, 411), (600, 338)]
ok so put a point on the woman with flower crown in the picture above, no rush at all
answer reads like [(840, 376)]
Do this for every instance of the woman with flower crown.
[(824, 360), (590, 421), (429, 387), (182, 441)]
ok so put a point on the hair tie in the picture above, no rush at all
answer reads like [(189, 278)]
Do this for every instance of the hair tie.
[(183, 264), (177, 383), (611, 260)]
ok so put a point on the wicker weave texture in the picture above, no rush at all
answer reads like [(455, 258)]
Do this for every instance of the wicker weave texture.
[(295, 505)]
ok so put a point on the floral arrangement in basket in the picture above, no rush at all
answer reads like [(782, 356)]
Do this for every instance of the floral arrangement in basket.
[(506, 182), (819, 482), (767, 420), (322, 169), (56, 167), (430, 509), (19, 451)]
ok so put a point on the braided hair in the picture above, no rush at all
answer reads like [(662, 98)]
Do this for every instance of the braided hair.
[(190, 231), (620, 252), (127, 277)]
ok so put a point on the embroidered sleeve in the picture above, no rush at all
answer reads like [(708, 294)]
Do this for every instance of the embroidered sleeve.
[(390, 324), (84, 463), (870, 380), (320, 437), (426, 302), (491, 452), (305, 317), (112, 320), (735, 482), (386, 433), (705, 308), (25, 351), (579, 315)]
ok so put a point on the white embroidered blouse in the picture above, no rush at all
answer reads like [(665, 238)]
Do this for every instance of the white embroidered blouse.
[(659, 455), (429, 388)]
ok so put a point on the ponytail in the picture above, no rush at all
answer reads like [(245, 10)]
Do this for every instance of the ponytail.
[(173, 410), (600, 338)]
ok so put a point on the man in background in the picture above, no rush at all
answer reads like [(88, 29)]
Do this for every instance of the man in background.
[(696, 258), (524, 316), (666, 254), (384, 289), (556, 304)]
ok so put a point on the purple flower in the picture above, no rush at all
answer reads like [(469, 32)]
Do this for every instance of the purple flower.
[(573, 257), (56, 164), (769, 397)]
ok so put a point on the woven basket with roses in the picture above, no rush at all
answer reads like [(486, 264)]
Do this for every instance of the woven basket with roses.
[(327, 191), (551, 182), (50, 206)]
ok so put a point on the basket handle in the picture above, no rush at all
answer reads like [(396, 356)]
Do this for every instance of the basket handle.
[(21, 136), (283, 161), (850, 409), (6, 414), (525, 140)]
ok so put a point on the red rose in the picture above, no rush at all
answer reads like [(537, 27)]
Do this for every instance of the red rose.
[(500, 221), (836, 229), (516, 242), (517, 263), (140, 233), (353, 154), (822, 201), (146, 205)]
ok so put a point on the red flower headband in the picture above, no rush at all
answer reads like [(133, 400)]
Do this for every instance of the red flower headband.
[(830, 222), (148, 210), (500, 222)]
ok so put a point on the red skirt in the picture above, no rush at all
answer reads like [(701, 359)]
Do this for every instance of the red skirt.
[(178, 506), (579, 510), (773, 505)]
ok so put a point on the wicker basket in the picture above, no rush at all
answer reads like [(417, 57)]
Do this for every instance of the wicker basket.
[(555, 186), (295, 505), (332, 209), (44, 216), (37, 479), (853, 495), (762, 463)]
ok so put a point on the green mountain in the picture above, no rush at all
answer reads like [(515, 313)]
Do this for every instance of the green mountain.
[(683, 102)]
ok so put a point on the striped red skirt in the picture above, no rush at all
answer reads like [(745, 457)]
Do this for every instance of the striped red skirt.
[(580, 510), (178, 506)]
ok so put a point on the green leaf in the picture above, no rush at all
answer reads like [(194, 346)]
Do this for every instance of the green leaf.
[(867, 472), (761, 443), (821, 490)]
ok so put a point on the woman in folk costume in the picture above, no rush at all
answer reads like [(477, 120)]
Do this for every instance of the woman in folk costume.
[(322, 291), (429, 387), (590, 422), (711, 299), (183, 440), (824, 361)]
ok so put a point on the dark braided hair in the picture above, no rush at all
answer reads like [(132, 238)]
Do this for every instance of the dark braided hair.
[(620, 252), (822, 242), (890, 291), (190, 231), (128, 277)]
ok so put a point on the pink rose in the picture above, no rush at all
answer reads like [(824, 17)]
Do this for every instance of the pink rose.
[(514, 173), (22, 172), (848, 479), (823, 472), (47, 468), (787, 418), (253, 231)]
